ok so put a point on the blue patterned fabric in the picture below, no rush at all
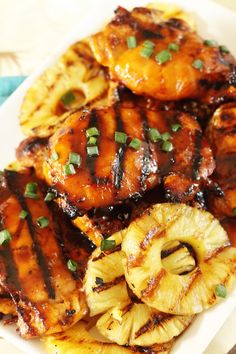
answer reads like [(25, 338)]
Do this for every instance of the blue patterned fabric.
[(8, 84)]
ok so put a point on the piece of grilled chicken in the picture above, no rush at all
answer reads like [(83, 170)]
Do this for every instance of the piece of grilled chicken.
[(42, 242), (188, 67), (221, 134), (176, 150)]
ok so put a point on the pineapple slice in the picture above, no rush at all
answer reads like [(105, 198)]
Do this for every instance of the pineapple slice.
[(78, 340), (139, 324), (154, 280), (75, 80), (125, 322)]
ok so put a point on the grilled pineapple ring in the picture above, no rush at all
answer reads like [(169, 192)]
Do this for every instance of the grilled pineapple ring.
[(75, 80), (158, 285), (124, 321)]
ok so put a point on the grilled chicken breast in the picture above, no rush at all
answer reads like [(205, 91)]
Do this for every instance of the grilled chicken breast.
[(34, 262), (221, 133), (168, 143), (188, 68)]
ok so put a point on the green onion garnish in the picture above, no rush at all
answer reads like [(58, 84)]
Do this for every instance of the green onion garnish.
[(224, 49), (135, 143), (93, 131), (131, 42), (31, 191), (74, 158), (210, 43), (154, 135), (120, 137), (69, 169), (54, 156), (175, 127), (107, 245), (92, 141), (23, 214), (42, 222), (50, 196), (92, 150), (5, 237), (68, 98), (163, 56), (148, 44), (221, 290), (197, 64), (72, 265), (99, 281), (174, 47), (146, 52), (234, 210), (165, 136), (167, 146)]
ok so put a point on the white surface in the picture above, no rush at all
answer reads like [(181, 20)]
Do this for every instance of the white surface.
[(213, 22)]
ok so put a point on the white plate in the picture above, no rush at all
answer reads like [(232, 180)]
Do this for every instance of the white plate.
[(214, 22)]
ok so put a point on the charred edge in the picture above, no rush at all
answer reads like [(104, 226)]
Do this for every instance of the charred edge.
[(91, 160), (11, 178), (118, 171), (153, 284), (146, 170), (167, 253), (5, 296), (197, 158), (104, 254), (187, 289), (153, 233), (157, 320), (12, 276), (108, 285)]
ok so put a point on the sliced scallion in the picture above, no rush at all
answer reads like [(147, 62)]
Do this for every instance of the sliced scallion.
[(92, 150), (135, 143), (163, 56), (74, 158), (107, 245), (165, 136), (175, 127), (120, 137), (50, 196), (93, 131), (210, 43), (5, 237), (197, 64), (174, 47), (54, 156), (72, 265), (221, 290), (69, 169), (131, 42), (42, 222), (167, 146), (23, 214), (154, 135)]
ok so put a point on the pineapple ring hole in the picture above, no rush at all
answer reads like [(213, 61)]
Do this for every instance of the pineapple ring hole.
[(178, 258)]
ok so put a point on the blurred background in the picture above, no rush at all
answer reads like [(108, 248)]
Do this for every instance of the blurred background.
[(30, 30)]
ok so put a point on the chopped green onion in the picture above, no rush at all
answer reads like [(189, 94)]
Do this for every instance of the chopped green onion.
[(54, 156), (50, 196), (221, 290), (131, 42), (42, 222), (99, 281), (69, 169), (167, 146), (146, 52), (174, 47), (68, 98), (234, 210), (93, 131), (135, 143), (148, 44), (72, 265), (92, 150), (23, 214), (210, 43), (92, 141), (224, 49), (175, 127), (107, 245), (74, 158), (5, 237), (165, 136), (31, 191), (197, 64), (120, 137), (163, 56), (154, 135)]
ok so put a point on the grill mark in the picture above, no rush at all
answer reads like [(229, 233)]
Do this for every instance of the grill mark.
[(12, 276), (157, 320), (118, 171), (153, 284), (215, 253), (105, 286), (197, 158), (5, 296), (153, 233), (193, 278), (106, 253), (11, 178), (91, 160), (146, 169), (167, 253)]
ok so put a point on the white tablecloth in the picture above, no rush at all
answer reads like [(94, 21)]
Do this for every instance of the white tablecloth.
[(29, 29)]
